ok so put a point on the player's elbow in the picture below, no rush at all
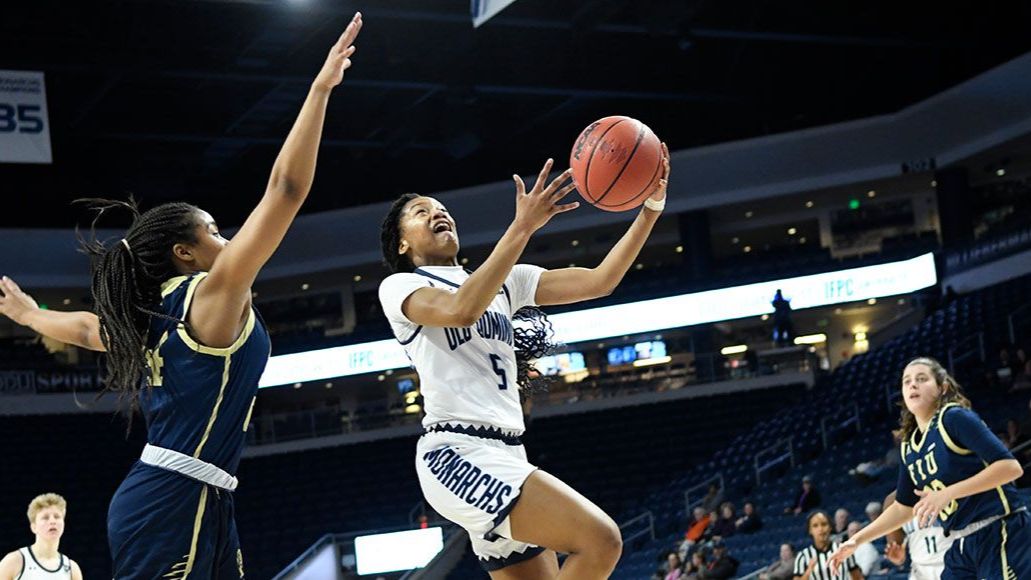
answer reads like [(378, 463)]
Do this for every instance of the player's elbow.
[(282, 184), (1014, 470), (463, 318)]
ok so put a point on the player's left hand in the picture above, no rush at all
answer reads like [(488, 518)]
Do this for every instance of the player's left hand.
[(339, 58), (660, 190), (930, 505)]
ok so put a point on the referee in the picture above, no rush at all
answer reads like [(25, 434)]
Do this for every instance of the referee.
[(811, 563)]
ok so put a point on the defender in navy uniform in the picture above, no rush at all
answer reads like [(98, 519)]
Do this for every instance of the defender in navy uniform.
[(955, 469), (187, 348)]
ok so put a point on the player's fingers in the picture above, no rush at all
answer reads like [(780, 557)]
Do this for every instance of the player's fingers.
[(559, 180), (519, 185), (563, 192), (351, 32), (543, 175), (563, 208)]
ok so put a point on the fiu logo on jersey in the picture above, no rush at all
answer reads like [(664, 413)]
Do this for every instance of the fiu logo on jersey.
[(922, 472), (491, 326)]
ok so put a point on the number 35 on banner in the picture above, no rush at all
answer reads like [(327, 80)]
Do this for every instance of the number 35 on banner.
[(24, 129)]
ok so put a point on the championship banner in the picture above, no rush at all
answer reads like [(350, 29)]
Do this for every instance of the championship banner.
[(24, 125), (484, 10)]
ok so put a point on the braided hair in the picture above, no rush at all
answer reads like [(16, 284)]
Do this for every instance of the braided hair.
[(533, 335), (126, 284)]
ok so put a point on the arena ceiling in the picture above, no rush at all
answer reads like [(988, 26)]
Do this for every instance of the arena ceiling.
[(190, 99)]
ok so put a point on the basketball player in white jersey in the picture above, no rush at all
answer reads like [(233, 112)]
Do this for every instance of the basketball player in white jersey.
[(926, 546), (457, 329), (41, 560)]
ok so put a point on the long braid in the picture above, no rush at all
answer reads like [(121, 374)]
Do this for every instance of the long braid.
[(126, 285), (532, 331)]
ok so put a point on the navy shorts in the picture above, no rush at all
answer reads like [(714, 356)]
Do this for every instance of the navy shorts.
[(162, 525), (999, 551)]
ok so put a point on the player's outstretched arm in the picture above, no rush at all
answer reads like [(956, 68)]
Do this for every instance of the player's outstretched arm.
[(436, 307), (222, 299), (892, 518), (78, 328), (568, 285)]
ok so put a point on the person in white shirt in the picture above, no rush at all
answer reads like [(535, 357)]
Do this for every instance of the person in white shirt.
[(42, 560), (866, 555), (457, 329)]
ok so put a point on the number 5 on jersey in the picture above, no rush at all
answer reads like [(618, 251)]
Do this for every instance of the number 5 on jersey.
[(495, 361)]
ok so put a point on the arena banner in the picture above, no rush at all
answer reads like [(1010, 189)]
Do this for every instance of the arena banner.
[(484, 10), (24, 125), (826, 289), (25, 382)]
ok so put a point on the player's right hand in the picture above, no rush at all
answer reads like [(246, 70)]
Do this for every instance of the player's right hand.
[(841, 554), (14, 303), (536, 207)]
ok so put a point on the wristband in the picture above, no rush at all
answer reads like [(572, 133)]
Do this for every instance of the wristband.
[(655, 205)]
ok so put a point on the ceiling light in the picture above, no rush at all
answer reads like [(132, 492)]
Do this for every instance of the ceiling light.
[(871, 193), (811, 339), (735, 349), (748, 249), (1000, 172), (66, 301), (305, 286), (575, 243), (735, 240), (748, 214), (792, 231), (465, 261), (872, 301), (801, 240), (765, 317), (679, 249), (639, 266), (809, 204), (357, 277)]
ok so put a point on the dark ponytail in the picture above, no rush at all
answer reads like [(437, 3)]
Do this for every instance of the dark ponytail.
[(126, 284), (533, 333)]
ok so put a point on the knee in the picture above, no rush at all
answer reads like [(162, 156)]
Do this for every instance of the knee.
[(607, 539)]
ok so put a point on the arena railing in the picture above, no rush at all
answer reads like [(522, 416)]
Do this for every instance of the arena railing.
[(972, 345), (786, 449), (851, 414), (646, 521), (704, 484), (1017, 321)]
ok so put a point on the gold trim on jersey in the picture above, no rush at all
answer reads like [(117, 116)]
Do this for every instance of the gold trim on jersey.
[(185, 567), (198, 347), (945, 436), (169, 286), (1007, 572), (214, 410), (247, 419)]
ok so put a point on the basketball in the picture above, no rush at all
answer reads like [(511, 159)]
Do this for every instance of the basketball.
[(616, 163)]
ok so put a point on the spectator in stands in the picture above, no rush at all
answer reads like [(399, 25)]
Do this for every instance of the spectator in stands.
[(724, 527), (713, 498), (840, 533), (808, 498), (673, 567), (1022, 382), (866, 555), (750, 521), (1005, 369), (42, 558), (783, 329), (873, 511), (868, 471), (783, 568), (695, 531), (722, 566), (812, 563), (693, 568)]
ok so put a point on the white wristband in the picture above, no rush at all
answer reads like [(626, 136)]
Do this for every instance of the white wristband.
[(655, 205)]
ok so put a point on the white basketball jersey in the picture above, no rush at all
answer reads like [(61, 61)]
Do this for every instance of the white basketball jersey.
[(467, 375), (33, 570), (927, 546)]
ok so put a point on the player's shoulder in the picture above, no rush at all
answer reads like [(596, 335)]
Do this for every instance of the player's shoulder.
[(400, 278), (955, 415), (11, 564)]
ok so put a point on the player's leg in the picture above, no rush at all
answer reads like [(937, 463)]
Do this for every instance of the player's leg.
[(549, 513), (1005, 549), (228, 556), (159, 526)]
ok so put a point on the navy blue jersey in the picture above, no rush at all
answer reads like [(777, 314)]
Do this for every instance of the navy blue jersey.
[(201, 398), (956, 446)]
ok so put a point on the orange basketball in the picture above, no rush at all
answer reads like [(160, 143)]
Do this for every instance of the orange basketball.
[(616, 163)]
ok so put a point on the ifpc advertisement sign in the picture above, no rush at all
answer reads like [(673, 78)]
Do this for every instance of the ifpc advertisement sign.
[(24, 124)]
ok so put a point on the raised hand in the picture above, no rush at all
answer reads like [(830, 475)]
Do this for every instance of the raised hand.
[(339, 59), (895, 553), (536, 207), (660, 190), (14, 303)]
